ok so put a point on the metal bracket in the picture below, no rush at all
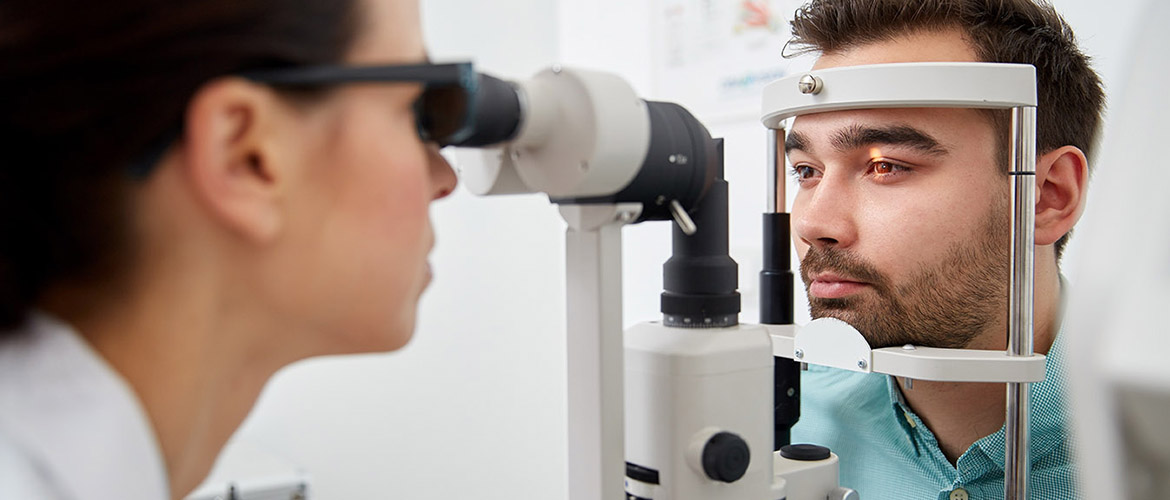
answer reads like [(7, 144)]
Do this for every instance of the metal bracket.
[(832, 342), (900, 85)]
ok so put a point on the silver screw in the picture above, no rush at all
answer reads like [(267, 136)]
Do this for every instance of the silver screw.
[(556, 69), (661, 200), (791, 392), (810, 85), (909, 347), (861, 363), (672, 158), (799, 354)]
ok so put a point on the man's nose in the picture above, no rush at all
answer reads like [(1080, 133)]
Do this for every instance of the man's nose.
[(825, 215)]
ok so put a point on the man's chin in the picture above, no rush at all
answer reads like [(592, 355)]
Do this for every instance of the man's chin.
[(842, 309)]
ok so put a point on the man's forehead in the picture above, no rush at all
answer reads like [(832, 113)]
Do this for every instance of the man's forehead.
[(922, 127), (847, 134), (947, 45), (824, 126), (930, 130)]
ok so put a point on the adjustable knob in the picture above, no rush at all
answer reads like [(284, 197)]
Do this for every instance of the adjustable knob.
[(726, 457)]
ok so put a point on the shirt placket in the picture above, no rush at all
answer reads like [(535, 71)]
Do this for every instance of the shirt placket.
[(972, 469), (923, 440)]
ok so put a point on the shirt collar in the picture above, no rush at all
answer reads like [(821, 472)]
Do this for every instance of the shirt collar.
[(71, 413), (1047, 418)]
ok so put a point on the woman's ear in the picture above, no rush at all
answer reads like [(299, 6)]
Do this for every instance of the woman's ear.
[(1062, 181), (231, 156)]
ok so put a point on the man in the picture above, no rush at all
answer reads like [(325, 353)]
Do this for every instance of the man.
[(902, 223)]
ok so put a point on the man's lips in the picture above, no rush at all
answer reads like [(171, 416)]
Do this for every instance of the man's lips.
[(833, 286)]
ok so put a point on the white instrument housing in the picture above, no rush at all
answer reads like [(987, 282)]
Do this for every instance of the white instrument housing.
[(683, 385), (584, 134)]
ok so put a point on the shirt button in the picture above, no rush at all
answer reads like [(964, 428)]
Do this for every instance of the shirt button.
[(959, 494)]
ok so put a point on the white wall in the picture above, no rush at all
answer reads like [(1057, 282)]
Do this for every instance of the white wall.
[(474, 406)]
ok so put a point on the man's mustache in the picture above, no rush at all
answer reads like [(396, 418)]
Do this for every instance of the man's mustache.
[(844, 264)]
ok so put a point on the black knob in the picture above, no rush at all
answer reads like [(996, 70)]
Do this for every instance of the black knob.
[(726, 457), (804, 452)]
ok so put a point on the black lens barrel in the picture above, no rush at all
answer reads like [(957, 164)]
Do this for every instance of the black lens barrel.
[(496, 114), (700, 280)]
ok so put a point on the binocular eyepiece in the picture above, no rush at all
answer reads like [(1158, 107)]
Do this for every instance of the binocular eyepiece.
[(495, 111), (586, 138)]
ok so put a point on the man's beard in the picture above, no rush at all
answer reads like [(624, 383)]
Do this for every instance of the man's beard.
[(945, 305)]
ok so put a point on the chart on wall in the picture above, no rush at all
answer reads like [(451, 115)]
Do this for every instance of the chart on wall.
[(716, 56)]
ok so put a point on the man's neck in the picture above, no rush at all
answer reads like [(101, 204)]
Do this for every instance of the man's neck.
[(959, 414)]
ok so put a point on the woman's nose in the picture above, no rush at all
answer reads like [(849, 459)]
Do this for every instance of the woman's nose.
[(443, 179)]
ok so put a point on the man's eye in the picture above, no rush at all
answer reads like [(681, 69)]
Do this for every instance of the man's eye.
[(803, 172), (885, 168)]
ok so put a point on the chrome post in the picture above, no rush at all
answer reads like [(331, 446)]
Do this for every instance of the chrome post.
[(1020, 298), (776, 171)]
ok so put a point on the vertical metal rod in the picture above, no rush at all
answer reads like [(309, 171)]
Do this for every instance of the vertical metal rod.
[(776, 171), (1020, 298), (772, 175)]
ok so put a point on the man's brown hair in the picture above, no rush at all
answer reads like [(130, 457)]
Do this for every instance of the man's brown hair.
[(1070, 97)]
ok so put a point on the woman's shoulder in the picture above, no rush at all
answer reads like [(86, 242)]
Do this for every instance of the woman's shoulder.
[(23, 476), (70, 421)]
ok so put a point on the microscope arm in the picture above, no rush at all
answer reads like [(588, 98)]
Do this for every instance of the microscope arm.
[(593, 266)]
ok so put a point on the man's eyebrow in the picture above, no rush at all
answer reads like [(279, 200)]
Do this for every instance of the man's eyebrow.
[(794, 140), (859, 136)]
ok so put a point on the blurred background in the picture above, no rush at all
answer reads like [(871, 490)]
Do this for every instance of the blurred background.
[(474, 407)]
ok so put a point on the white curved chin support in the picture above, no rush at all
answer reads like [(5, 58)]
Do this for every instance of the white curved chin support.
[(835, 343)]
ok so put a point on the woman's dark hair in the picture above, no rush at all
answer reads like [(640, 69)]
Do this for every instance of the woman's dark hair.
[(88, 88)]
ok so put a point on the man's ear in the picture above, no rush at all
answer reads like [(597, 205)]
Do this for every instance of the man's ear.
[(231, 158), (1062, 181)]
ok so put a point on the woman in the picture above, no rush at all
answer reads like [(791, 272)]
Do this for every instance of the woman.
[(181, 219)]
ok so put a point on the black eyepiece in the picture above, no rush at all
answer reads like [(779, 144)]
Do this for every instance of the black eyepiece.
[(496, 113)]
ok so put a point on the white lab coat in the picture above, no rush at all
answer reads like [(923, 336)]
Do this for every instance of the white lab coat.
[(71, 428)]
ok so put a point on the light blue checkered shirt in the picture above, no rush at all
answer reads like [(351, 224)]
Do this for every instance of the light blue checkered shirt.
[(887, 452)]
